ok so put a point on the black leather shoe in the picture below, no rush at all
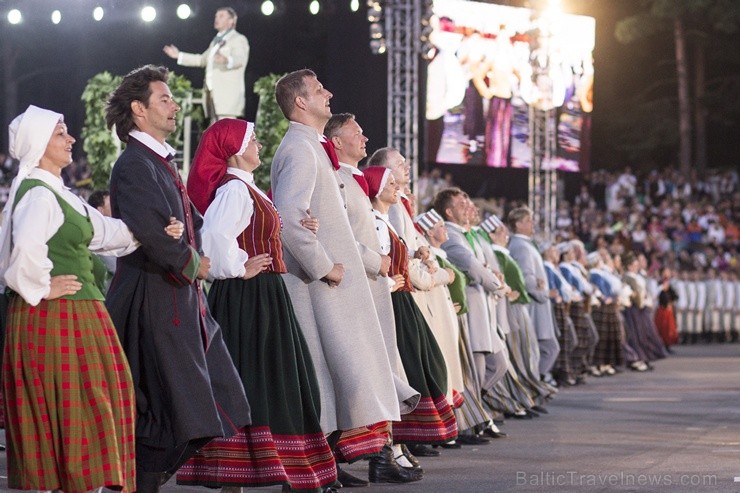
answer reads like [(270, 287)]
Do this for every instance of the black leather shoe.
[(494, 434), (423, 451), (449, 445), (540, 410), (534, 414), (349, 480), (384, 469), (409, 456), (471, 440)]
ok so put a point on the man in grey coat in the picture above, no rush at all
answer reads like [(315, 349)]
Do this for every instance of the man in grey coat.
[(326, 278), (347, 137), (465, 253), (526, 254)]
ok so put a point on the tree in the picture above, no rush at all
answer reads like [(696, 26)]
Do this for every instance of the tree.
[(692, 23)]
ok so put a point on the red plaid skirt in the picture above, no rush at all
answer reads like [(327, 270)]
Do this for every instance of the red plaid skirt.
[(69, 398)]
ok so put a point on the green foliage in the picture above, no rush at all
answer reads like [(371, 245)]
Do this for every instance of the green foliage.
[(270, 126), (100, 144)]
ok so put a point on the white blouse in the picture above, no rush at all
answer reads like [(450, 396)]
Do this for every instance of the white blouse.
[(226, 218), (36, 218)]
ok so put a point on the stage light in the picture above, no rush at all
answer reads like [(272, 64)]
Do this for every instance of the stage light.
[(56, 17), (426, 32), (377, 46), (15, 16), (314, 7), (98, 13), (374, 12), (184, 11), (148, 13), (376, 30), (354, 5), (268, 7)]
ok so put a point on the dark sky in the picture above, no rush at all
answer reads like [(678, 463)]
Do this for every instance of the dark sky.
[(55, 62)]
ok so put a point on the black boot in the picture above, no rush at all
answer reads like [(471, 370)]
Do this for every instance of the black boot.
[(348, 480), (149, 482), (385, 469)]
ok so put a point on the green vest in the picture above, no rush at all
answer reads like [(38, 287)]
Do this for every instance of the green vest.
[(513, 276), (68, 248), (457, 288)]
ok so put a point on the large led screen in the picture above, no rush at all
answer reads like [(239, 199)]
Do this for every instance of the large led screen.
[(490, 64)]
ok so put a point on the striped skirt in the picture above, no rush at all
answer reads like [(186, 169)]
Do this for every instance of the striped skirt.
[(665, 322), (568, 341), (642, 334), (609, 349), (363, 442), (433, 421), (285, 443), (471, 413), (581, 354), (69, 398)]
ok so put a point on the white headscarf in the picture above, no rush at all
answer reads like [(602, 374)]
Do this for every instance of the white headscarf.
[(29, 134)]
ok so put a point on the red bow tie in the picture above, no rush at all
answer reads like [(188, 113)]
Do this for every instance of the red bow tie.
[(331, 152)]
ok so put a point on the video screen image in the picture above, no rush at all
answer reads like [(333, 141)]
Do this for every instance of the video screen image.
[(490, 65)]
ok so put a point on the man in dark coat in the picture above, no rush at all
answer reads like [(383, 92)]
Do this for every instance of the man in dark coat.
[(187, 390)]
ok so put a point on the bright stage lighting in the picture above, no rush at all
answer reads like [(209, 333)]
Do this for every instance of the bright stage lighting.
[(148, 14), (98, 13), (15, 16), (183, 11), (374, 12), (314, 7), (354, 5), (56, 17), (268, 7)]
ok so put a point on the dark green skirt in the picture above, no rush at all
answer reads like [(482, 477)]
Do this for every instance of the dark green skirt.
[(433, 421), (285, 443)]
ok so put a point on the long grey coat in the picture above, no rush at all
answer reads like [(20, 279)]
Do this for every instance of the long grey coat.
[(340, 323), (530, 262), (362, 221), (484, 337)]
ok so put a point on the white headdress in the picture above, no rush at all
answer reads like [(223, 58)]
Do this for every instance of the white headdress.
[(28, 135)]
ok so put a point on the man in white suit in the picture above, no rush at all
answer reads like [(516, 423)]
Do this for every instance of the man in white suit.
[(225, 61), (326, 277), (526, 254)]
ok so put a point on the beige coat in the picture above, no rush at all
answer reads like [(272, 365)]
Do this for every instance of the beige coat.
[(224, 83), (362, 220), (340, 323)]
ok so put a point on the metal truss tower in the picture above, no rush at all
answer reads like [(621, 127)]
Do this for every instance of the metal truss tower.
[(402, 31), (543, 180)]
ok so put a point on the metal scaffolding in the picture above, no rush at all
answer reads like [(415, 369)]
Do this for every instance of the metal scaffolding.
[(543, 179), (402, 31)]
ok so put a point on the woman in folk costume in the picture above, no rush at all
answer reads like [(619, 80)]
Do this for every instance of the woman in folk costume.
[(665, 318), (637, 317), (472, 417), (565, 294), (609, 353), (241, 234), (69, 397), (432, 422)]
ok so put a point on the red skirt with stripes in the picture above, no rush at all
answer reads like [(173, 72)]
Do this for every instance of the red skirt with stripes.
[(69, 398)]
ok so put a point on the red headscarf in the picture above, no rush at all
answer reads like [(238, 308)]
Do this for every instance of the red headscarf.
[(223, 139), (377, 177)]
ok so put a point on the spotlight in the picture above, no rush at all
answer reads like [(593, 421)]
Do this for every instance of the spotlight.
[(98, 13), (268, 7), (374, 12), (148, 14), (56, 17), (376, 31), (377, 46), (314, 7), (354, 5), (15, 16), (183, 11)]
